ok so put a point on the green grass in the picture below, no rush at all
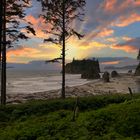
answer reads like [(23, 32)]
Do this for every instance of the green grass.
[(108, 117)]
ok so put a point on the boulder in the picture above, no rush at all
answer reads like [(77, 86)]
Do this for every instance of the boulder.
[(137, 85), (114, 74), (106, 77), (90, 74), (130, 72), (137, 72)]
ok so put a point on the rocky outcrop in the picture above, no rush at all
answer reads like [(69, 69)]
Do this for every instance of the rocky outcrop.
[(90, 74), (106, 77), (114, 74), (89, 69), (137, 72)]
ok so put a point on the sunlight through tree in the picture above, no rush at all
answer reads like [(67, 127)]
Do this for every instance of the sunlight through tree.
[(59, 14)]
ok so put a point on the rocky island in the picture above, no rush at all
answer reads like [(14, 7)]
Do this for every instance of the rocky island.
[(88, 68)]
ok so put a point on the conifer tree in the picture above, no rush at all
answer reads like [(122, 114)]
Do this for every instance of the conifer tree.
[(12, 20), (59, 14)]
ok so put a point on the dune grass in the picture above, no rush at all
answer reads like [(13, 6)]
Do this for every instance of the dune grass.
[(106, 117)]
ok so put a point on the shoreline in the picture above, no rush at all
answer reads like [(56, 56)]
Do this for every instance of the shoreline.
[(31, 83), (93, 87)]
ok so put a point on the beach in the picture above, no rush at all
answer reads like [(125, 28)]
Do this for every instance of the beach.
[(49, 87)]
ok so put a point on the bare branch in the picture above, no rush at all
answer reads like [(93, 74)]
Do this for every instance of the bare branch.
[(55, 41), (55, 60)]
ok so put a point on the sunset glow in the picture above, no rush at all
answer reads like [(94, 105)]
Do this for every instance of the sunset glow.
[(110, 26)]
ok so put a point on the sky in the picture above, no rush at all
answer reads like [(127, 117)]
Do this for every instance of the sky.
[(111, 29)]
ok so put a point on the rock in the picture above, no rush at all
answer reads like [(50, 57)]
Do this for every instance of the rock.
[(106, 77), (82, 66), (89, 69), (90, 74), (137, 72), (138, 86), (114, 74), (130, 72)]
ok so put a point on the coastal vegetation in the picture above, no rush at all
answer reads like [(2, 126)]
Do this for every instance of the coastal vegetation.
[(113, 117)]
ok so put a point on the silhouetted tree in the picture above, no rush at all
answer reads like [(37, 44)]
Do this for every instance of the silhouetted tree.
[(59, 14), (13, 14), (1, 10), (0, 30), (3, 52)]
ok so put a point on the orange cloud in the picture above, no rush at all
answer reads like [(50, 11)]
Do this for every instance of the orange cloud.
[(93, 44), (32, 20), (125, 4), (22, 51), (105, 32), (125, 38), (113, 40), (111, 63), (125, 21), (136, 3), (109, 5), (126, 48), (26, 54), (39, 25), (120, 13)]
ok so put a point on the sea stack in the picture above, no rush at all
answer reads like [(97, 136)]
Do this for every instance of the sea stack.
[(137, 72), (114, 74), (89, 69), (106, 77)]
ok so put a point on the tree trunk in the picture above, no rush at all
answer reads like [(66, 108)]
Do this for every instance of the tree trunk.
[(3, 77), (0, 29), (3, 70), (1, 9), (63, 53)]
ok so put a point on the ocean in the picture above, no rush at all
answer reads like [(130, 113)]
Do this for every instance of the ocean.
[(31, 81)]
